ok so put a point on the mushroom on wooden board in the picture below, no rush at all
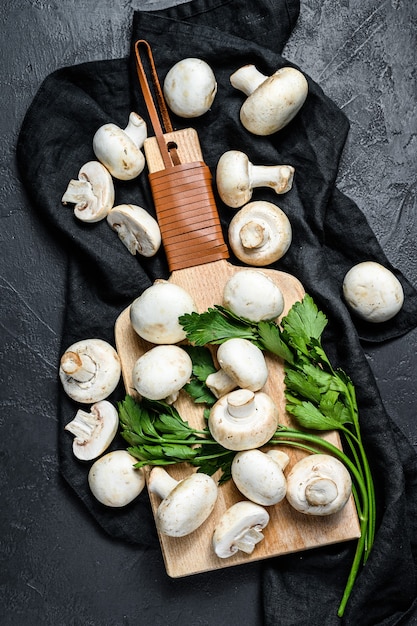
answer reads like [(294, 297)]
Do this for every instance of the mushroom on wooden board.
[(92, 194), (253, 295), (260, 233), (185, 504), (120, 149), (318, 484), (136, 228), (94, 431), (90, 370), (273, 101), (190, 87), (113, 479), (237, 177), (259, 475), (239, 528), (243, 420)]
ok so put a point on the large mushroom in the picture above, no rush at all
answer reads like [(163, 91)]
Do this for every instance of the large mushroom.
[(237, 177), (113, 479), (259, 475), (93, 431), (318, 484), (185, 504), (136, 228), (243, 420), (272, 101), (92, 193), (253, 295), (239, 528), (90, 370), (190, 87)]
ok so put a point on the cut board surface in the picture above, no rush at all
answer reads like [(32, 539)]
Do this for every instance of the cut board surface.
[(287, 531)]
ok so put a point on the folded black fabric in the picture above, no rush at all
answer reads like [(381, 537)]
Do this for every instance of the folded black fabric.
[(330, 234)]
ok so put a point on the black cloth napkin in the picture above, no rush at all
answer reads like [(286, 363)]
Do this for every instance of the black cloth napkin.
[(330, 234)]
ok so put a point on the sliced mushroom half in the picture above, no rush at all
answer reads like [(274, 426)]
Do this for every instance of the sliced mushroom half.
[(92, 194), (136, 228)]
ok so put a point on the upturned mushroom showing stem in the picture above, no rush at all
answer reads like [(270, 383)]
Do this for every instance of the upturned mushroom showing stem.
[(239, 528), (92, 194), (93, 431), (237, 177)]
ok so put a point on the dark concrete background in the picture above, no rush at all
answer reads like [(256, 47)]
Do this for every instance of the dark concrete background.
[(56, 566)]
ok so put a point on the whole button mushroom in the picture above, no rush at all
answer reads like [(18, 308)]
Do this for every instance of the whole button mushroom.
[(239, 528), (260, 233), (237, 177), (190, 87), (113, 479), (185, 504), (154, 314), (272, 101), (318, 484), (90, 370), (94, 431), (161, 372), (373, 292), (136, 228), (253, 295), (259, 475), (243, 420), (120, 149), (92, 194)]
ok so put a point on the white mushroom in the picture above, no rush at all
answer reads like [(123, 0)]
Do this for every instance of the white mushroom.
[(272, 101), (120, 150), (373, 292), (185, 504), (94, 431), (136, 228), (239, 528), (243, 362), (154, 314), (113, 479), (253, 295), (92, 193), (237, 177), (260, 233), (190, 87), (319, 484), (161, 372), (243, 420), (90, 370), (259, 475)]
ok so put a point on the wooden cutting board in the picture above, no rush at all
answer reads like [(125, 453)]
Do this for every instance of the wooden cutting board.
[(288, 531)]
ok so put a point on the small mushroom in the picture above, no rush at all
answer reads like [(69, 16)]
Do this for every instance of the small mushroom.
[(154, 314), (253, 295), (373, 292), (120, 150), (272, 101), (260, 233), (136, 228), (259, 475), (243, 362), (243, 420), (237, 177), (90, 370), (161, 372), (318, 484), (92, 193), (190, 87), (94, 431), (113, 479), (185, 504), (239, 528)]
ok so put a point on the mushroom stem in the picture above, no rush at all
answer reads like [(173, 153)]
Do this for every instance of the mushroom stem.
[(247, 79), (220, 383), (83, 425), (136, 129), (321, 491), (161, 483), (248, 539), (241, 403), (253, 235), (281, 458), (80, 367), (277, 177), (79, 192)]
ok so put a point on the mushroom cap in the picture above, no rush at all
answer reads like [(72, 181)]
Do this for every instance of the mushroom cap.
[(190, 87), (92, 194), (243, 420), (93, 431), (233, 179), (113, 479), (260, 233), (373, 292), (187, 506), (136, 228), (154, 314), (119, 150), (161, 372), (243, 362), (318, 484), (259, 477), (239, 528), (253, 295), (90, 370)]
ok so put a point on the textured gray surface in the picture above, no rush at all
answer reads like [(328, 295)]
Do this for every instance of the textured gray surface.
[(56, 566)]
